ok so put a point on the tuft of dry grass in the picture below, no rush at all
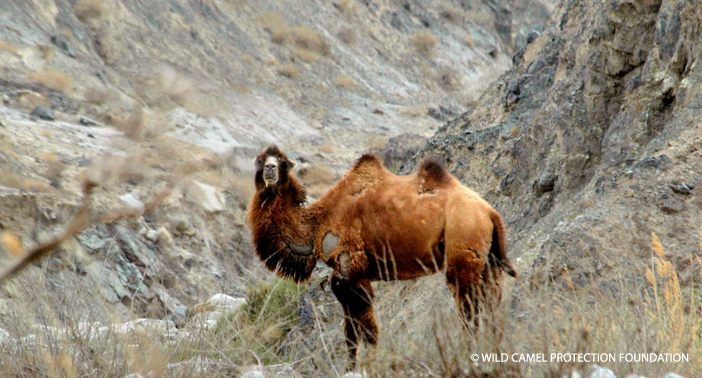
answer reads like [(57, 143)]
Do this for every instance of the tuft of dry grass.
[(52, 79), (424, 42), (86, 9), (345, 82), (347, 35), (248, 59), (305, 55), (96, 96), (469, 41), (276, 26), (270, 61), (346, 6), (54, 166), (450, 12), (132, 126), (7, 46), (449, 79), (287, 71), (308, 39)]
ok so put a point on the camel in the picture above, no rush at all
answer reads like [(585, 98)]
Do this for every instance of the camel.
[(373, 225)]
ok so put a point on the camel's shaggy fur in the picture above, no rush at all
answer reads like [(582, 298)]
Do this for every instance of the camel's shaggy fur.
[(374, 225)]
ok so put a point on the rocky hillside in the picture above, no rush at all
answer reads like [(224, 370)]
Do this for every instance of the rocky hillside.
[(130, 93), (591, 142)]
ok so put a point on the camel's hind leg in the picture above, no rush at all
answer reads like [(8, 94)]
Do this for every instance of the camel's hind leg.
[(359, 317), (476, 288)]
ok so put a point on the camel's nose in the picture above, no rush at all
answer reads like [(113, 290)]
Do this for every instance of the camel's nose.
[(270, 167)]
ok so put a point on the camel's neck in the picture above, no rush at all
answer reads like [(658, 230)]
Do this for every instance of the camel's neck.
[(281, 228)]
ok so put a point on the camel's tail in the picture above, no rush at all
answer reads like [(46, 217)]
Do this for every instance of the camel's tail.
[(498, 250)]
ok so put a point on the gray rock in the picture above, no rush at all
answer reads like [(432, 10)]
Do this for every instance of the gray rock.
[(682, 188), (253, 374), (43, 112), (352, 375), (87, 122), (161, 327), (109, 284), (206, 196), (134, 375), (65, 45), (600, 372), (226, 303), (132, 202), (4, 336)]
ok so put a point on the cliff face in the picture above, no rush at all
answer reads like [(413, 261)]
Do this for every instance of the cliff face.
[(590, 142)]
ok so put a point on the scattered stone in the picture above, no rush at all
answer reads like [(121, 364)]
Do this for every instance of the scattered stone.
[(88, 122), (226, 303), (435, 113), (63, 43), (43, 112), (253, 374), (352, 375), (206, 196), (4, 336), (132, 202), (545, 184), (134, 375), (600, 372), (109, 284), (672, 206), (682, 188), (101, 76), (151, 235), (161, 327), (164, 237)]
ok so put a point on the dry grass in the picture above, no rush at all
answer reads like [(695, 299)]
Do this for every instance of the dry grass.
[(7, 46), (86, 9), (52, 79), (346, 6), (15, 180), (450, 12), (308, 39), (287, 71), (469, 41), (270, 61), (276, 26), (96, 96), (54, 166), (248, 59), (305, 55), (424, 42), (132, 126), (448, 79), (345, 82), (645, 312), (347, 35)]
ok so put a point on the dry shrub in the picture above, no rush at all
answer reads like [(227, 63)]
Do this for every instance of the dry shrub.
[(305, 55), (287, 71), (448, 79), (424, 42), (248, 59), (347, 35), (86, 9), (270, 61), (469, 41), (7, 46), (276, 26), (132, 126), (450, 12), (52, 79), (96, 96), (346, 6), (345, 82), (307, 38), (13, 179), (54, 166)]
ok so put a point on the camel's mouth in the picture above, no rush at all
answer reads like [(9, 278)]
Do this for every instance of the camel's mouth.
[(270, 177)]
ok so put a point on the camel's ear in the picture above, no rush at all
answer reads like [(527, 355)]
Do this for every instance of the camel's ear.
[(288, 165), (258, 163)]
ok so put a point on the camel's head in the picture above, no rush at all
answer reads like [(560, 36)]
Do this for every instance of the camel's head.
[(272, 168), (273, 174)]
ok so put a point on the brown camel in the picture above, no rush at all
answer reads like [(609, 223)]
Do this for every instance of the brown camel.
[(374, 225)]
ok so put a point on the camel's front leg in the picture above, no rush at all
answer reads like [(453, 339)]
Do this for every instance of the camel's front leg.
[(359, 317)]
